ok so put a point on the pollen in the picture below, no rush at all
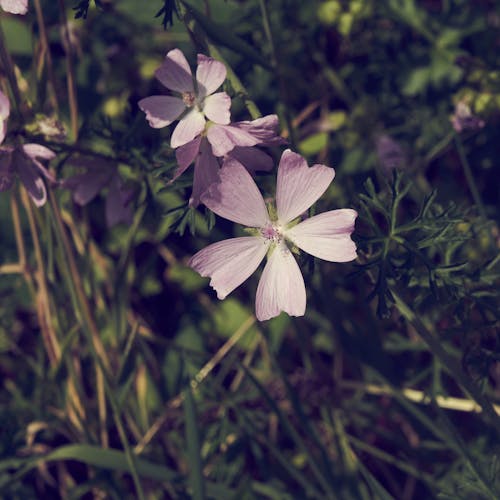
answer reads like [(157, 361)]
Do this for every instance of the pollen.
[(189, 99)]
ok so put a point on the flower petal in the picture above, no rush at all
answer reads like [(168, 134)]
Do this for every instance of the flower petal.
[(230, 262), (3, 130), (30, 177), (14, 6), (86, 186), (298, 185), (252, 158), (327, 235), (206, 172), (264, 129), (118, 207), (6, 169), (188, 128), (236, 197), (185, 155), (4, 107), (216, 108), (225, 137), (281, 286), (161, 110), (38, 151), (175, 72), (210, 75)]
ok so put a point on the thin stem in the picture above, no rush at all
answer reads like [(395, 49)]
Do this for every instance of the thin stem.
[(446, 360), (47, 55), (469, 177), (70, 73)]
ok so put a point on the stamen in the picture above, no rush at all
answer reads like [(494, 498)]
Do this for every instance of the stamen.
[(189, 99)]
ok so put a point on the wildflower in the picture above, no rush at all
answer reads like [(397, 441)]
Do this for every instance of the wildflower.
[(14, 6), (236, 197), (23, 160), (194, 104), (99, 175), (196, 139), (390, 153), (463, 119)]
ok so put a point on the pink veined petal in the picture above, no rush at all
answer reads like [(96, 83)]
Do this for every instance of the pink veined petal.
[(264, 129), (210, 75), (216, 108), (327, 235), (236, 197), (30, 177), (252, 158), (281, 286), (225, 137), (185, 155), (206, 172), (6, 169), (191, 125), (299, 186), (230, 262), (118, 208), (86, 186), (161, 110), (4, 106), (175, 72), (15, 6)]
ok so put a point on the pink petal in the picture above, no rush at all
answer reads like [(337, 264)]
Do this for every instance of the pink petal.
[(185, 155), (216, 108), (118, 208), (30, 177), (14, 6), (236, 197), (38, 151), (206, 172), (192, 124), (210, 75), (161, 110), (175, 72), (3, 130), (4, 107), (6, 169), (252, 158), (327, 235), (264, 129), (86, 186), (281, 286), (230, 262), (225, 137), (298, 185)]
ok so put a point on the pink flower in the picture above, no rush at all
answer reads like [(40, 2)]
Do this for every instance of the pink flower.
[(235, 140), (464, 119), (14, 6), (25, 162), (194, 103), (236, 197), (99, 175)]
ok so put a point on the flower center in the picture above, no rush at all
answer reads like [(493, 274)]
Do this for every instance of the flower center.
[(272, 232), (189, 99)]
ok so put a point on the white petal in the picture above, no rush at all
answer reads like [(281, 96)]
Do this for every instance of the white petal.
[(230, 262), (298, 185), (210, 75), (236, 197), (206, 172), (216, 108), (38, 151), (188, 128), (327, 235), (4, 107), (15, 6), (175, 72), (31, 180), (161, 110), (225, 137), (281, 286)]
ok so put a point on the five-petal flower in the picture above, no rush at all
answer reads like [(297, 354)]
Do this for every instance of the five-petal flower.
[(236, 197)]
